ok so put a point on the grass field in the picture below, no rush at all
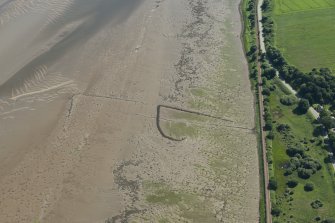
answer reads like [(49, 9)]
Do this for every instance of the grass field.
[(289, 6), (305, 32), (296, 207)]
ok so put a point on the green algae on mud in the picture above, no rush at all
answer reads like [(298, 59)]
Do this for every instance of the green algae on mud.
[(190, 206), (180, 130)]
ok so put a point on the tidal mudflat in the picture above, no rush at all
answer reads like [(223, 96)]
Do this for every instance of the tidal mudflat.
[(125, 111)]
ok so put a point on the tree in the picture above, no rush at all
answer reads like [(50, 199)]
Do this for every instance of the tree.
[(292, 183), (273, 185), (327, 121), (319, 130), (304, 173), (303, 106), (331, 139), (308, 187), (269, 73), (266, 4)]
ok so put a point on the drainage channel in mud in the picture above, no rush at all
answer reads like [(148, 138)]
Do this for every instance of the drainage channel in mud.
[(131, 187)]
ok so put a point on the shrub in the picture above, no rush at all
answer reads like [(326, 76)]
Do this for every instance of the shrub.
[(288, 172), (293, 151), (304, 173), (309, 163), (268, 124), (316, 204), (276, 211), (288, 100), (266, 91), (283, 128), (273, 185), (292, 183), (309, 187), (271, 135), (272, 87), (295, 163)]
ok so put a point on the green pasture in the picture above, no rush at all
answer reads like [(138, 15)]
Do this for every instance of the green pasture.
[(289, 6), (297, 206), (305, 32)]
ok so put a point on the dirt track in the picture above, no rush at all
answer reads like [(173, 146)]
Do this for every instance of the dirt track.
[(81, 82)]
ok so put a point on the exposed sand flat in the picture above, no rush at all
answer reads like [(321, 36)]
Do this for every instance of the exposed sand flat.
[(81, 82)]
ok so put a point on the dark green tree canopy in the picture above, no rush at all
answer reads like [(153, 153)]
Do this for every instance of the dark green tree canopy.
[(303, 106)]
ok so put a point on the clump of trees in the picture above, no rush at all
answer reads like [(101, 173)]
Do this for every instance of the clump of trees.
[(268, 71), (300, 162), (267, 117), (252, 51), (251, 9), (317, 86)]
